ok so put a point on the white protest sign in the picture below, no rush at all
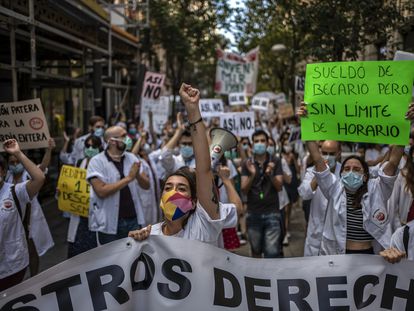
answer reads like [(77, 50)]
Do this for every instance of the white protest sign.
[(25, 122), (161, 110), (260, 103), (280, 98), (299, 84), (169, 273), (239, 123), (153, 83), (236, 99), (211, 107), (401, 55), (236, 73)]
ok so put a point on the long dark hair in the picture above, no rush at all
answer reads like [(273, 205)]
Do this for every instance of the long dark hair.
[(364, 188), (408, 172)]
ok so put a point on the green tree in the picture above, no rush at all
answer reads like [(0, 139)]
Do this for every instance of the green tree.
[(188, 32)]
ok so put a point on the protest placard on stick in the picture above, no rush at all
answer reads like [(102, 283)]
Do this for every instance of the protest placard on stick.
[(358, 101), (211, 107), (239, 123), (25, 122)]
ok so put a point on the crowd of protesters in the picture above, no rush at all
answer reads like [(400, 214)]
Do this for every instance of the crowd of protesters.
[(357, 198)]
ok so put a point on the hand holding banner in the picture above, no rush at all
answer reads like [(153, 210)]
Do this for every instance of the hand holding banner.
[(358, 101)]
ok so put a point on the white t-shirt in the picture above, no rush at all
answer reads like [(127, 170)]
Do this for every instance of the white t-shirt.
[(201, 227)]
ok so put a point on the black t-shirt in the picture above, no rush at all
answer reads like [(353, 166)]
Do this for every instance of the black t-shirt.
[(262, 196), (126, 204)]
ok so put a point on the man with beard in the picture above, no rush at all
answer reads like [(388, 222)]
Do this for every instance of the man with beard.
[(115, 206)]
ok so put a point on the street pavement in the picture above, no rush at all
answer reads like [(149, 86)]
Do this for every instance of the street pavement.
[(59, 225)]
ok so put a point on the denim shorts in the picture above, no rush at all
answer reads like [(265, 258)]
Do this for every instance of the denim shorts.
[(265, 233), (124, 226)]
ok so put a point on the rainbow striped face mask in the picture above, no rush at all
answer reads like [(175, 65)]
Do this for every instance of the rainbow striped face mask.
[(175, 205)]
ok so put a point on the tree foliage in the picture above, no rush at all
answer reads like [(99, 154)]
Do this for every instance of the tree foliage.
[(188, 32)]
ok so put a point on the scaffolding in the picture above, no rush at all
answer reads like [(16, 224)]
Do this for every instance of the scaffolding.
[(73, 46)]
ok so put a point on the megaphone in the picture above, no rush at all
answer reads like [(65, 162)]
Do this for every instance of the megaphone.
[(222, 140)]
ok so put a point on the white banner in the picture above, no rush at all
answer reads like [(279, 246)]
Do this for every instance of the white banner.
[(239, 123), (260, 103), (25, 122), (235, 73), (168, 273), (211, 107), (236, 99), (161, 110)]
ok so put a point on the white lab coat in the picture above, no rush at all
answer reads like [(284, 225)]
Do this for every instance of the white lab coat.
[(376, 218), (14, 254), (400, 202), (103, 212), (397, 240), (39, 230), (317, 211)]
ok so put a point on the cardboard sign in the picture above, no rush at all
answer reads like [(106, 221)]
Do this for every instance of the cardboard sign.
[(236, 99), (73, 191), (358, 101), (280, 98), (153, 83), (239, 123), (285, 111), (25, 122), (260, 103), (236, 73), (164, 273), (211, 107), (161, 110)]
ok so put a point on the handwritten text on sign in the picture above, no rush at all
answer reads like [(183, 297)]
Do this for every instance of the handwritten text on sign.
[(25, 122), (73, 188), (153, 83), (358, 101), (161, 110), (240, 124), (211, 107)]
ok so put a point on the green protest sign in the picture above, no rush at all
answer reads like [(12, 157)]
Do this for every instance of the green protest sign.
[(358, 101)]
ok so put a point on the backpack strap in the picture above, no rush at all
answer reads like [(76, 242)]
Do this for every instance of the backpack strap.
[(26, 219), (406, 236)]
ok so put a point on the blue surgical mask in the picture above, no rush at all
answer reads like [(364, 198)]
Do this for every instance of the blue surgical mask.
[(407, 149), (259, 148), (16, 169), (99, 132), (271, 150), (245, 146), (147, 148), (186, 151), (132, 131), (352, 181), (331, 161)]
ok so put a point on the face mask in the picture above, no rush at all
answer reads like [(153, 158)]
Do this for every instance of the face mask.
[(257, 128), (288, 148), (271, 150), (331, 161), (407, 149), (16, 169), (186, 151), (132, 131), (123, 141), (227, 154), (128, 143), (352, 181), (174, 205), (91, 152), (245, 146), (99, 132), (259, 148)]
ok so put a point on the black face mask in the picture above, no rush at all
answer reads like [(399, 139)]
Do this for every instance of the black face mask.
[(122, 147)]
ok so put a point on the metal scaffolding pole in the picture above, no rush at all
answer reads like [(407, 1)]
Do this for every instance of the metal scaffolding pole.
[(13, 60), (32, 39)]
